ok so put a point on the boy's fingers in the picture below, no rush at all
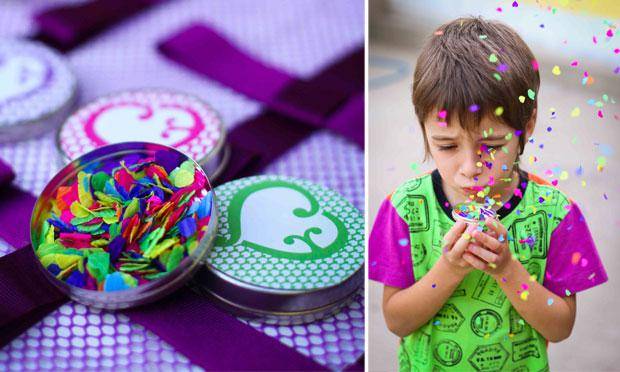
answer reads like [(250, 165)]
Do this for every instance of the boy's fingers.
[(453, 234), (482, 253), (461, 244), (495, 225), (488, 241), (474, 261)]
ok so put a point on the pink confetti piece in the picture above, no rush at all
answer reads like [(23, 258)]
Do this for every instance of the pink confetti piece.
[(574, 63), (442, 114), (610, 33), (617, 51), (594, 40), (535, 65), (499, 9), (599, 113)]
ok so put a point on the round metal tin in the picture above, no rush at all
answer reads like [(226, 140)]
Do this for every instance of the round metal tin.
[(174, 119), (145, 292), (37, 89), (287, 250), (475, 213)]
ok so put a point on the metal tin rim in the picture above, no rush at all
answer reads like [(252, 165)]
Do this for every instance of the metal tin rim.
[(54, 118), (143, 293), (221, 159), (257, 300)]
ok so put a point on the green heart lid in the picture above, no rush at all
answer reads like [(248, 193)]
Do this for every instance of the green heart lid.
[(286, 249)]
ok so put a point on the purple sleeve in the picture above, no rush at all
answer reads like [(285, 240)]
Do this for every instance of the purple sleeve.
[(390, 249), (573, 263)]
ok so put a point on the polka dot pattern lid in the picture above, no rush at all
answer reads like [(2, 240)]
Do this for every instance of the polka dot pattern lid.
[(37, 89), (174, 119), (284, 238)]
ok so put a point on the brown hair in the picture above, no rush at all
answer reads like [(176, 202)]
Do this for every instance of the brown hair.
[(456, 72)]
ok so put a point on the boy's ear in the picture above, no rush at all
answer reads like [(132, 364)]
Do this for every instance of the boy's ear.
[(531, 124)]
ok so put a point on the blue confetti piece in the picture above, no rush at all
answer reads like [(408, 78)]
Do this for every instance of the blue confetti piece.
[(76, 279), (114, 282), (403, 242), (205, 205), (53, 268), (187, 227)]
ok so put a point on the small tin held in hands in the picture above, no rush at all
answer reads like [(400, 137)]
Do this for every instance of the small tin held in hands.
[(124, 224)]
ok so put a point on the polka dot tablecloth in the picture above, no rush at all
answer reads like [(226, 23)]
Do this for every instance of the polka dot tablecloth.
[(301, 37)]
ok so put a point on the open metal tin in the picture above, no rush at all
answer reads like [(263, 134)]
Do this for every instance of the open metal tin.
[(287, 250), (38, 89), (196, 201), (174, 119)]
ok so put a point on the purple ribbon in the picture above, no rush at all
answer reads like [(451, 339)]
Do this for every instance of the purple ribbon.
[(331, 102), (65, 27)]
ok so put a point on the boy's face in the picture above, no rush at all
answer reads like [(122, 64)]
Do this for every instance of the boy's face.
[(468, 162)]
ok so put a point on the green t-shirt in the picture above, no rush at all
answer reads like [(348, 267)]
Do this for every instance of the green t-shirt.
[(477, 328)]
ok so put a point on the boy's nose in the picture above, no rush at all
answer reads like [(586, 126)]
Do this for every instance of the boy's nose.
[(469, 167)]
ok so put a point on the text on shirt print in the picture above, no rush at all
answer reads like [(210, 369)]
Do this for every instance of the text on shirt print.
[(485, 322), (448, 318), (448, 353), (530, 236), (487, 290), (488, 357), (416, 216)]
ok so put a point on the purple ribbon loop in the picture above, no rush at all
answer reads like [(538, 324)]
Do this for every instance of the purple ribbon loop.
[(319, 102), (65, 27)]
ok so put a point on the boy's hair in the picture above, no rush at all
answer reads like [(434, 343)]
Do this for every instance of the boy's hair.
[(456, 72)]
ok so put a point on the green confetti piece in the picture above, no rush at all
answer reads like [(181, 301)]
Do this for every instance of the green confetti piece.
[(99, 180), (492, 58), (531, 94), (181, 177), (151, 240), (98, 265), (175, 258), (508, 136), (497, 76), (605, 98), (482, 37), (485, 134), (161, 247), (132, 208), (499, 110), (504, 149), (601, 161)]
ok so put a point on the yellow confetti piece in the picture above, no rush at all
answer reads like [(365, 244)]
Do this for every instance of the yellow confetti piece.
[(492, 58), (479, 164), (575, 112), (583, 183), (532, 278), (183, 178), (466, 236), (524, 295), (556, 70), (521, 99), (564, 175), (499, 110)]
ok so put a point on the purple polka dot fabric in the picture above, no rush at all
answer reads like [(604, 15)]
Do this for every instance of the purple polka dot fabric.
[(301, 37)]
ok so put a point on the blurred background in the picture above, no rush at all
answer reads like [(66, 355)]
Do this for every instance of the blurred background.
[(576, 36)]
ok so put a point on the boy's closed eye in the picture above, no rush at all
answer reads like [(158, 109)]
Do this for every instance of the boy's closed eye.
[(452, 147)]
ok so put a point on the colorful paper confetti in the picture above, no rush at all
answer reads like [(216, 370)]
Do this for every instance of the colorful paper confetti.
[(127, 223)]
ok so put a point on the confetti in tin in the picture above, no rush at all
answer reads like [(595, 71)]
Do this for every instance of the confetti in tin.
[(122, 217), (472, 213)]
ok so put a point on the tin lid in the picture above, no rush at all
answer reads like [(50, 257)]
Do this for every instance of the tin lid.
[(174, 119), (37, 89), (285, 246), (124, 225)]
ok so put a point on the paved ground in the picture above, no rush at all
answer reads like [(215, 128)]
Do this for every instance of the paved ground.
[(395, 143)]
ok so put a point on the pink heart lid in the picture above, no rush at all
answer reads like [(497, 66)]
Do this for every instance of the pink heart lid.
[(179, 120)]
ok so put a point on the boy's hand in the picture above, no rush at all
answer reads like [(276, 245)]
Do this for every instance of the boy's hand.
[(454, 249), (491, 248)]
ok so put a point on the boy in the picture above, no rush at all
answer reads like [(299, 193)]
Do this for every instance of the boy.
[(489, 295)]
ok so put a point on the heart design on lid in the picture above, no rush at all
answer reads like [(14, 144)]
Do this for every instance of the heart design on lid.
[(284, 220), (21, 76), (171, 124)]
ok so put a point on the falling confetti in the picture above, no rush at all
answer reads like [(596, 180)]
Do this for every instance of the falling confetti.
[(575, 112), (556, 70)]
